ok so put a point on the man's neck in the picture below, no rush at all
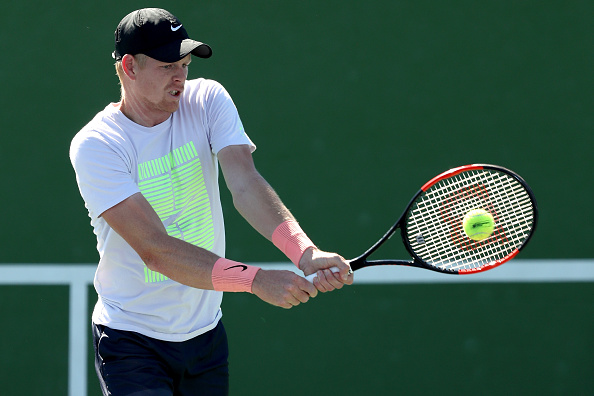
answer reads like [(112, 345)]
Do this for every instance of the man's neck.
[(141, 115)]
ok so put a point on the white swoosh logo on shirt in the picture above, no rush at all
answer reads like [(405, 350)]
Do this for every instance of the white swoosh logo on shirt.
[(175, 29)]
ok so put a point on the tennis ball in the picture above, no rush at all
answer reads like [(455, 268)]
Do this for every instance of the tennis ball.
[(478, 224)]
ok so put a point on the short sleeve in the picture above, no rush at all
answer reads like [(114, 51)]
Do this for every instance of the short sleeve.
[(224, 124), (103, 174)]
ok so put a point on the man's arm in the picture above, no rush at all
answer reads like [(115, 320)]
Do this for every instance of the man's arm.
[(135, 220), (259, 204)]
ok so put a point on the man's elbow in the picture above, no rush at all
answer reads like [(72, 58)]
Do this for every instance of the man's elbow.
[(153, 255), (152, 261)]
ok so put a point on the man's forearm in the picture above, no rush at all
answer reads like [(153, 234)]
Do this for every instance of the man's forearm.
[(261, 206)]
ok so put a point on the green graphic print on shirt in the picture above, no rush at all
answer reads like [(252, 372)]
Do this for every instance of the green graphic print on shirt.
[(174, 186)]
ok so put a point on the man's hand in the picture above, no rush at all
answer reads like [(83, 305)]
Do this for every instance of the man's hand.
[(282, 288), (316, 260)]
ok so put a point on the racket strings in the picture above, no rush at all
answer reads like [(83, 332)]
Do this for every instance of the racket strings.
[(434, 225)]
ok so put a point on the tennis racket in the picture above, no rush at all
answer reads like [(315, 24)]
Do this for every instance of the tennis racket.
[(431, 225)]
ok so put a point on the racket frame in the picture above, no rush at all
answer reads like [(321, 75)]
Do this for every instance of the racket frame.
[(361, 261)]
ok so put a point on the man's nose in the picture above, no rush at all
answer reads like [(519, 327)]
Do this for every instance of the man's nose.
[(181, 74)]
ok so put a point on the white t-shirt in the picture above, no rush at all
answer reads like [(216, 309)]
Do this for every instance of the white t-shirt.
[(174, 165)]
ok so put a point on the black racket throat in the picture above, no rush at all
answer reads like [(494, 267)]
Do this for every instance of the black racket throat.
[(362, 262)]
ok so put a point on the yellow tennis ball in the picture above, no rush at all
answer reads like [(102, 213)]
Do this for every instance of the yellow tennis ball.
[(478, 224)]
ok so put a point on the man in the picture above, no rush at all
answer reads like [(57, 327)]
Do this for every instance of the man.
[(147, 170)]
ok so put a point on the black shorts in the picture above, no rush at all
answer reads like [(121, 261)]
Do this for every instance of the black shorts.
[(129, 363)]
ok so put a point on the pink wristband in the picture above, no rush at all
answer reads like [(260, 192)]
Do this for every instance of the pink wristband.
[(291, 240), (231, 276)]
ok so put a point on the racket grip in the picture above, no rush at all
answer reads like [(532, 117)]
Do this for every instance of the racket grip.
[(313, 276)]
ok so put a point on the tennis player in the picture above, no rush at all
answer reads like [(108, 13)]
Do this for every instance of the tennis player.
[(147, 169)]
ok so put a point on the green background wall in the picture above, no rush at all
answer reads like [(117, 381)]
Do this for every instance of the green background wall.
[(335, 94)]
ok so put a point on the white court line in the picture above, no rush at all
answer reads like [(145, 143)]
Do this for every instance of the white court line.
[(79, 276)]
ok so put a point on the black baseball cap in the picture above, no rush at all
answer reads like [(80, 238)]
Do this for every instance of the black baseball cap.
[(156, 33)]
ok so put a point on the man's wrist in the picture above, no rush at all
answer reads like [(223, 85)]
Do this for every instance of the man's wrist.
[(233, 276), (291, 240)]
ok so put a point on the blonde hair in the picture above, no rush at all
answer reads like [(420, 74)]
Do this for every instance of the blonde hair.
[(140, 60)]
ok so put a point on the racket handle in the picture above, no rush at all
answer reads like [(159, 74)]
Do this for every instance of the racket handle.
[(313, 276)]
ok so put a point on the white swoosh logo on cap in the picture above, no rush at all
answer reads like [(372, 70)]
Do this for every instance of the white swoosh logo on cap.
[(175, 29)]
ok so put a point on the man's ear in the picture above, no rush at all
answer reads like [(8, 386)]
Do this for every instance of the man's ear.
[(129, 65)]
